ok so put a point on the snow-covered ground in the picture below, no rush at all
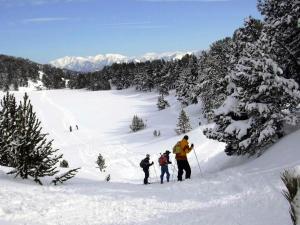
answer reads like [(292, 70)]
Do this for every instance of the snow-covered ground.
[(230, 191)]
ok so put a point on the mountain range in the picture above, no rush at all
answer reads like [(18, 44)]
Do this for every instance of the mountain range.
[(94, 63)]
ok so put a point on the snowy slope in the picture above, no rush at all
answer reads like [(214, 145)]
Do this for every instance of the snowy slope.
[(232, 191), (94, 63)]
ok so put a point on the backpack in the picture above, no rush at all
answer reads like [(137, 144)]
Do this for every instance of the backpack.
[(142, 164), (162, 160), (177, 148)]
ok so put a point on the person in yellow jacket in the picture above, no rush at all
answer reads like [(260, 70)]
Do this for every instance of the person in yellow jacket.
[(181, 158)]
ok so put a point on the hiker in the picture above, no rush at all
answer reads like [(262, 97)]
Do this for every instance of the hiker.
[(145, 164), (181, 158), (164, 161), (70, 128), (77, 127)]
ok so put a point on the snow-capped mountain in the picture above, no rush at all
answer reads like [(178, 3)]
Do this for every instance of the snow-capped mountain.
[(90, 63), (94, 63)]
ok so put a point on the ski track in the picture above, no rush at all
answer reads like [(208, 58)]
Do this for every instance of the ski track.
[(233, 196)]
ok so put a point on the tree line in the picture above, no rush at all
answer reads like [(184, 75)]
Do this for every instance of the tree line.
[(17, 72)]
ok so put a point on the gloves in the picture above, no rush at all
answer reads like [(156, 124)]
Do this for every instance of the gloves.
[(192, 146), (152, 163)]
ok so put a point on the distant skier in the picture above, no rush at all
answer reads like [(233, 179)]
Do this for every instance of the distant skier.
[(76, 126), (181, 149), (164, 161), (145, 164), (70, 128)]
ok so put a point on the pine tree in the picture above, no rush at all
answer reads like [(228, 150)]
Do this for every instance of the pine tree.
[(263, 100), (187, 80), (32, 155), (137, 124), (183, 125), (107, 178), (101, 163), (281, 27), (162, 103), (214, 65), (7, 126)]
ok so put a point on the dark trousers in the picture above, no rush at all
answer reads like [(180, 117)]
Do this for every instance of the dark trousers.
[(164, 169), (183, 165), (146, 171)]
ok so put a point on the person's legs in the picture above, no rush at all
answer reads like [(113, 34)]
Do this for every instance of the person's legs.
[(146, 171), (163, 171), (168, 174), (187, 169), (180, 169)]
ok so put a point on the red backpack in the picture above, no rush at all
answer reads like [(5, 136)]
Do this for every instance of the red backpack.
[(162, 160)]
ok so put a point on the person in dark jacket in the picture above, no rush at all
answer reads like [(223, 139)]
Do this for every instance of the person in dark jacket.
[(146, 165), (164, 161)]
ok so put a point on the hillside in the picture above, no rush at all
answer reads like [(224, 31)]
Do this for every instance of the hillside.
[(230, 190), (19, 72)]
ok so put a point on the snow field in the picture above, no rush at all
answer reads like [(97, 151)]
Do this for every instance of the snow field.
[(232, 191)]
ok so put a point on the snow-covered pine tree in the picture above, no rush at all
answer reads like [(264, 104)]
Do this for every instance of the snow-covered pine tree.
[(101, 163), (137, 124), (168, 76), (250, 32), (213, 68), (32, 155), (252, 117), (158, 72), (281, 26), (164, 82), (149, 76), (183, 125), (139, 76), (8, 113), (162, 103), (187, 80)]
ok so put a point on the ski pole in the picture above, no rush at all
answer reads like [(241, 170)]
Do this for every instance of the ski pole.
[(174, 168), (155, 172), (198, 162), (173, 174)]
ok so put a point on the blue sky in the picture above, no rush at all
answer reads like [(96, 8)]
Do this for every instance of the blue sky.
[(43, 30)]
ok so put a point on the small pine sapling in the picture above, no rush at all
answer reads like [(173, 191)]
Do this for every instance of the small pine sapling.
[(162, 103), (64, 164), (107, 178), (137, 124), (183, 125), (101, 163)]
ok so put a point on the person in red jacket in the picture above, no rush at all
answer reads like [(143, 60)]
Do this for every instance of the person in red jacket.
[(181, 158), (164, 161)]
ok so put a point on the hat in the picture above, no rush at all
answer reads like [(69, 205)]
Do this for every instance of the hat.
[(186, 137), (167, 152), (147, 156)]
